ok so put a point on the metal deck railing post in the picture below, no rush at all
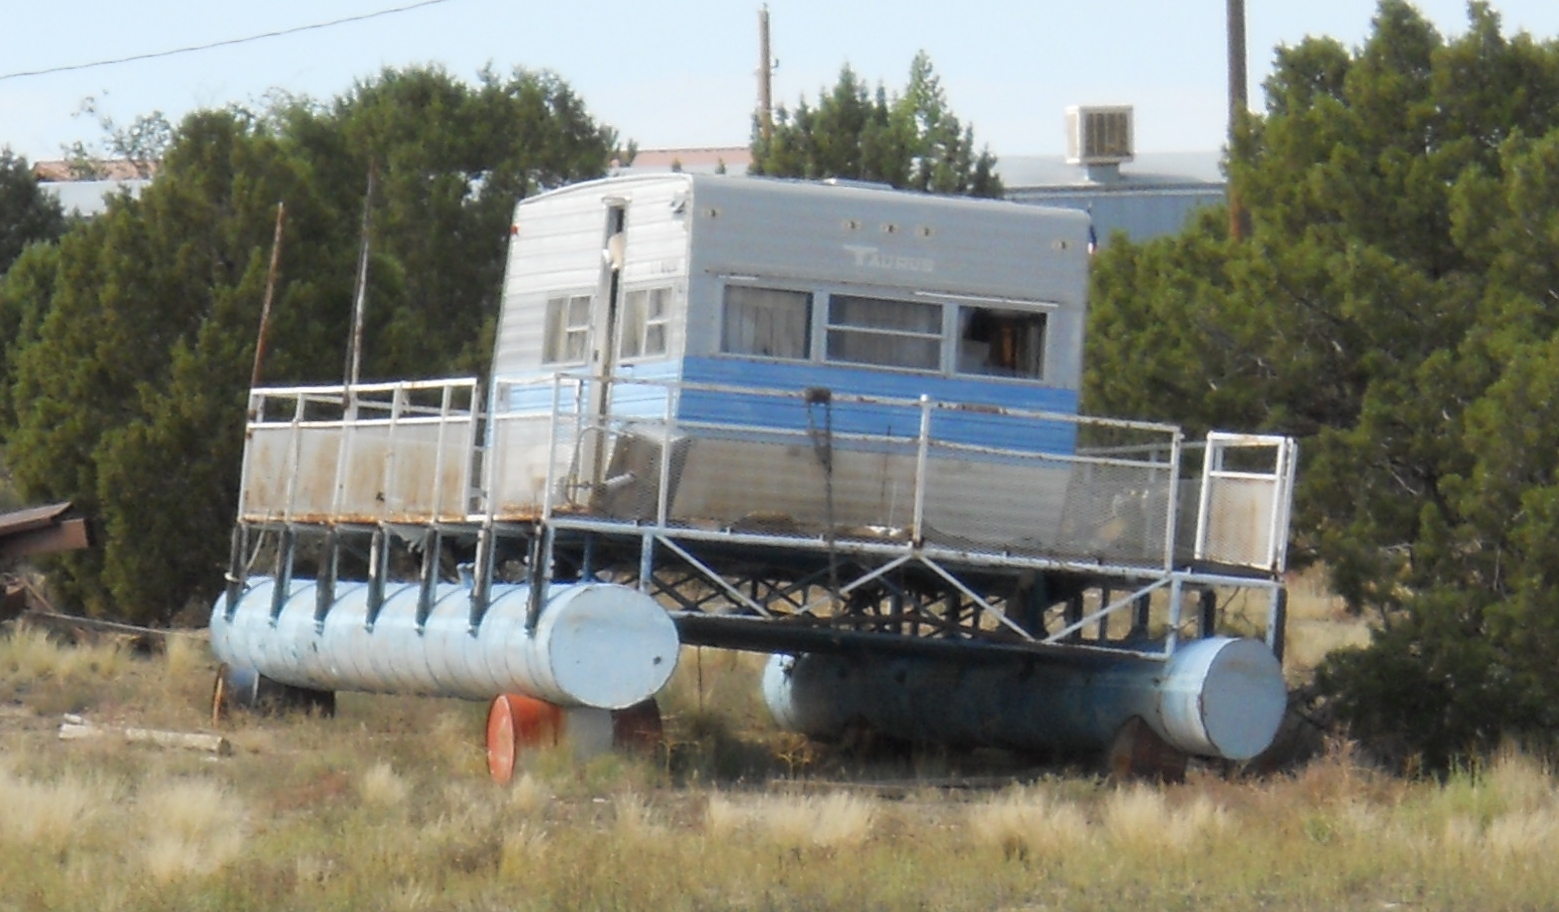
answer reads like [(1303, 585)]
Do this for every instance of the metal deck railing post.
[(445, 400), (1277, 622), (389, 465), (1211, 455), (236, 567), (647, 563), (1172, 513), (432, 543), (295, 454), (378, 569), (539, 577), (1172, 638), (922, 460), (1282, 497), (667, 450), (481, 577), (552, 448), (252, 420)]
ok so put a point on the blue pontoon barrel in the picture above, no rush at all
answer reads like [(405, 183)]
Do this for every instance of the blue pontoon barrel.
[(1218, 697)]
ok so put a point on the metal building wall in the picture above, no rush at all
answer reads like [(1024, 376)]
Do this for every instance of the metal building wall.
[(1143, 214)]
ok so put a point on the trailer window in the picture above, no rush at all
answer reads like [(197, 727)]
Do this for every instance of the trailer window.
[(645, 314), (889, 333), (1001, 343), (568, 330), (771, 322)]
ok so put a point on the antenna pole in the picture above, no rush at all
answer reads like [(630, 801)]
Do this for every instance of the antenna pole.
[(765, 76), (360, 294), (265, 306), (1238, 218)]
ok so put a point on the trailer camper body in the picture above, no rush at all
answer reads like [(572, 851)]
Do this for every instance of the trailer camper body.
[(668, 295)]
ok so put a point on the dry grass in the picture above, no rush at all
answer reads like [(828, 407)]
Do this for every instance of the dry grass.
[(193, 828), (528, 795), (1140, 819), (388, 806), (636, 820), (1029, 824), (186, 655), (30, 658), (44, 814), (380, 785), (792, 822)]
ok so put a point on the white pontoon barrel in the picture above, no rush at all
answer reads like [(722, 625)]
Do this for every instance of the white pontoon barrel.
[(595, 644)]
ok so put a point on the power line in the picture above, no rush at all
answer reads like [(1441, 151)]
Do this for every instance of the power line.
[(216, 44)]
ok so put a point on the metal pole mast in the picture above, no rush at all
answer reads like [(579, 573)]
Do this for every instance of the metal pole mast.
[(360, 295), (265, 306), (765, 76), (1238, 219)]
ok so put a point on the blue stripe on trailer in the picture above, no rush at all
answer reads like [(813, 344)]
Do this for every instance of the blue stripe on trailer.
[(971, 425)]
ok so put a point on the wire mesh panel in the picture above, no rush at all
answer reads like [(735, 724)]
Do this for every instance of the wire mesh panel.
[(815, 464), (987, 501), (783, 485), (811, 463), (1117, 512)]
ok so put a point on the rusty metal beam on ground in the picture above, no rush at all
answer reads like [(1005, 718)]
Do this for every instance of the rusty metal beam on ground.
[(41, 530)]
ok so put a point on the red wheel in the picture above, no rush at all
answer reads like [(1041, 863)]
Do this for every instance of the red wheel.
[(516, 722)]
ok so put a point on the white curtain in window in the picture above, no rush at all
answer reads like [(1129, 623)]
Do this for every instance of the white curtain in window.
[(770, 322)]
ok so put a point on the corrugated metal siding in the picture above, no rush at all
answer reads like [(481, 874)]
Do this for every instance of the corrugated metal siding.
[(656, 254), (557, 250)]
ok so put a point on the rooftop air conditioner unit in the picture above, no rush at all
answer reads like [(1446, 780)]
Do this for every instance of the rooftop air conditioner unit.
[(1099, 135)]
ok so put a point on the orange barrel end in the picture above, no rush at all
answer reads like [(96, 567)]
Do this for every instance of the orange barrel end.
[(514, 722), (637, 728)]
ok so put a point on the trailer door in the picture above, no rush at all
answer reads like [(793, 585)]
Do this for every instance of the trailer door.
[(608, 320)]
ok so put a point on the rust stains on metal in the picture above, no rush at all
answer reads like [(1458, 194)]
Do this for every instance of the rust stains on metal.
[(40, 530)]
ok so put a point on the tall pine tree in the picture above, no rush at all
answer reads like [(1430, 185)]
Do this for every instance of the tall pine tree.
[(128, 391), (910, 141), (1394, 306)]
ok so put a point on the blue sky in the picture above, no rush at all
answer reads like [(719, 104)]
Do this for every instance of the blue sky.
[(675, 73)]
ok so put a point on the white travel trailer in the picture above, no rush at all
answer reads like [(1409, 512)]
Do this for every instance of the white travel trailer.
[(702, 307)]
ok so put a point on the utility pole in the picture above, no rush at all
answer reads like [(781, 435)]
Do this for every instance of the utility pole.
[(265, 305), (360, 292), (1238, 219), (765, 76)]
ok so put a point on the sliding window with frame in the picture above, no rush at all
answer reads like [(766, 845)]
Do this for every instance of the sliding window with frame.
[(567, 330), (646, 313), (1001, 343), (885, 332), (767, 322)]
